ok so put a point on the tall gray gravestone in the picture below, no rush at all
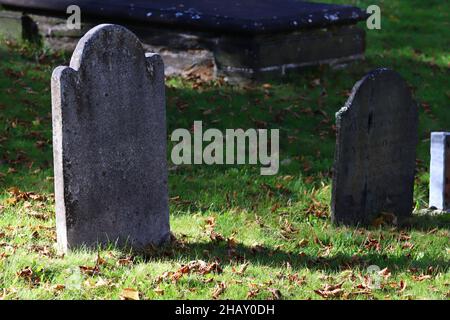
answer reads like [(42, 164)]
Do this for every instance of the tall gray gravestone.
[(440, 171), (109, 143), (375, 151)]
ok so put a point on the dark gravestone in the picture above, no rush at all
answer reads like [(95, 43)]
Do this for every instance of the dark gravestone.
[(440, 171), (109, 142), (231, 16), (375, 151), (250, 39)]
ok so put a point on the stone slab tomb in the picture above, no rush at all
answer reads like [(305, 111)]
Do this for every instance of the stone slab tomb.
[(375, 151), (440, 171), (240, 40), (109, 143)]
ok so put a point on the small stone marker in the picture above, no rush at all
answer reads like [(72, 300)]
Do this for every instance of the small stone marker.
[(440, 171), (109, 143), (375, 151)]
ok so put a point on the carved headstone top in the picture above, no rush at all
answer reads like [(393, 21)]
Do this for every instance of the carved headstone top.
[(375, 151), (109, 140)]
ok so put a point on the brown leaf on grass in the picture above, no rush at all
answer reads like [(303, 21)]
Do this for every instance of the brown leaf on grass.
[(17, 195), (200, 74), (242, 269), (303, 243), (91, 271), (257, 248), (422, 277), (385, 273), (372, 244), (198, 266), (231, 242), (276, 294), (129, 294), (295, 278), (404, 237), (216, 237), (38, 215), (288, 230), (159, 291), (210, 268), (402, 285), (318, 209), (252, 293), (330, 291), (26, 272), (366, 284), (127, 261), (210, 222), (325, 251), (407, 245), (218, 290), (58, 287)]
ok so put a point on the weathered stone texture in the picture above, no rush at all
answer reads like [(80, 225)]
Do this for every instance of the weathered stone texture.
[(109, 140), (375, 151)]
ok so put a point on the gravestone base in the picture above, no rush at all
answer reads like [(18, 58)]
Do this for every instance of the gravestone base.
[(234, 57), (261, 57)]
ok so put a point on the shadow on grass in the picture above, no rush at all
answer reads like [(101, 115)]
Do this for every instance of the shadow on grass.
[(429, 223), (264, 256)]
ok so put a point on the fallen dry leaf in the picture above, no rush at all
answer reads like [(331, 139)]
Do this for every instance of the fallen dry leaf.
[(129, 294), (90, 270), (303, 243), (252, 293), (159, 291), (402, 285), (276, 294), (58, 287), (218, 290), (243, 268), (330, 291), (422, 277)]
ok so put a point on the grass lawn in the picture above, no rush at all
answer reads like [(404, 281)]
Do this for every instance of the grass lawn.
[(238, 235)]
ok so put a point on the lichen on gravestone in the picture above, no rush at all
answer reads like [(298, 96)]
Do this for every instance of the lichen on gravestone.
[(109, 143)]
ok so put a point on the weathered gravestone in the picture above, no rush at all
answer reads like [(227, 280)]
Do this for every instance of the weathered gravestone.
[(109, 142), (440, 171), (375, 151)]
